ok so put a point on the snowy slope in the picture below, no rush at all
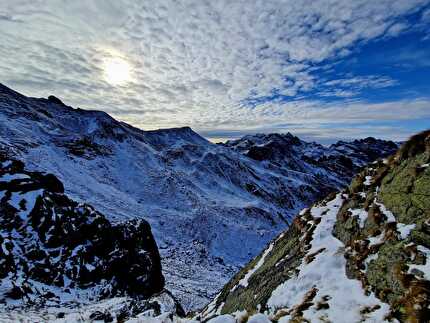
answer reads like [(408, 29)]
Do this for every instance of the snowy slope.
[(362, 255), (202, 200), (323, 282)]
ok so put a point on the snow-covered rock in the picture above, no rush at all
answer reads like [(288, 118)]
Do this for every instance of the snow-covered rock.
[(56, 252), (161, 307)]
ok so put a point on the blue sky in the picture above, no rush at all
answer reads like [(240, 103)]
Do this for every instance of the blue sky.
[(323, 69)]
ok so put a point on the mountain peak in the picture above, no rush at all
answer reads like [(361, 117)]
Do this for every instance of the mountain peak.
[(174, 137), (55, 100)]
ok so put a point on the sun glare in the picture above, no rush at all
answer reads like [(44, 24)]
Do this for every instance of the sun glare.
[(116, 71)]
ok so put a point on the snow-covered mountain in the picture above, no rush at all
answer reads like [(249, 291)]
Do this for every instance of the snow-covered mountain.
[(359, 255), (342, 159), (202, 200)]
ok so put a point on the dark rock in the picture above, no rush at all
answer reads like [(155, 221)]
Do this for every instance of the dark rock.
[(52, 184), (62, 240), (101, 316), (55, 100), (15, 293)]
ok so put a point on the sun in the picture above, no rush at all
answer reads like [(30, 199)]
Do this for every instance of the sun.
[(116, 71)]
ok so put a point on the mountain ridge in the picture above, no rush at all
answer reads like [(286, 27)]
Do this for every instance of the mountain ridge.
[(201, 199), (358, 255)]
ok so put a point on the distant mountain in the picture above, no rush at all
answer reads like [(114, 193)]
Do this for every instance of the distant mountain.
[(202, 200), (361, 255), (342, 159), (55, 251)]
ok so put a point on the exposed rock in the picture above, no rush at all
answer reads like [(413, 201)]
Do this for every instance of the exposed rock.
[(51, 245), (55, 100), (101, 316), (344, 159)]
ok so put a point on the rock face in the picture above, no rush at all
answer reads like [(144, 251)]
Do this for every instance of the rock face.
[(363, 254), (53, 247)]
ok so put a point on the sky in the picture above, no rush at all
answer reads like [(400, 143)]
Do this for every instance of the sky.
[(321, 69)]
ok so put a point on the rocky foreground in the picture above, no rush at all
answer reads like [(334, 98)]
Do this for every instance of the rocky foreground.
[(57, 253)]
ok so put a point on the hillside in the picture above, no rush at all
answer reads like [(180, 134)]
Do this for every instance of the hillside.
[(361, 255), (201, 199)]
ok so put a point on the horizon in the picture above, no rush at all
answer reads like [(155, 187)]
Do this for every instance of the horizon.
[(324, 71), (233, 136)]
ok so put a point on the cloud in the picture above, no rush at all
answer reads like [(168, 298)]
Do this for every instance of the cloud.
[(425, 17), (197, 62), (372, 81), (327, 122)]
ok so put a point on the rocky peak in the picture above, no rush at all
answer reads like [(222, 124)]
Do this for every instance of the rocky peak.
[(55, 100), (172, 138)]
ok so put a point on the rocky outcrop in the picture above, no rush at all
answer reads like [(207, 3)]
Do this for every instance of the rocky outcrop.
[(52, 246), (363, 254)]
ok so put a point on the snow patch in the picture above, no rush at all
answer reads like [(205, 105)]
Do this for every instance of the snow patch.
[(244, 281), (226, 318), (368, 181), (361, 214), (423, 268), (405, 229), (327, 274), (30, 200), (259, 318), (386, 212)]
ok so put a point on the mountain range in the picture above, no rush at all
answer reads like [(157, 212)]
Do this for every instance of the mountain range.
[(202, 200)]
